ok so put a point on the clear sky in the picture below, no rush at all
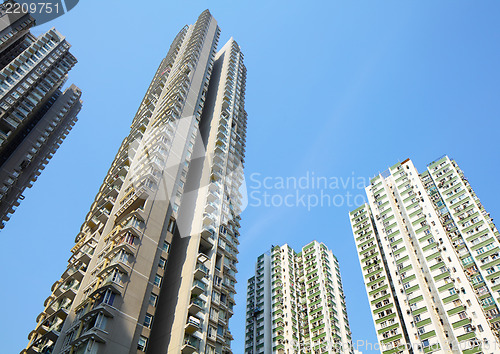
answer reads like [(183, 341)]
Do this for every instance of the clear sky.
[(338, 89)]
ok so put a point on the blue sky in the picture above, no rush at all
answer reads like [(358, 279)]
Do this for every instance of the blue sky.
[(340, 89)]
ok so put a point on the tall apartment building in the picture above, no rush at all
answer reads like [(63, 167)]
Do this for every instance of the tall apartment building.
[(429, 253), (35, 115), (296, 304), (153, 267)]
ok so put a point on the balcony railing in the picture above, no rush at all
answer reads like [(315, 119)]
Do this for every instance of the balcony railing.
[(191, 344), (200, 271)]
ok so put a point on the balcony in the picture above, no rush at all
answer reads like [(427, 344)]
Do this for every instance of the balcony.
[(208, 233), (119, 264), (125, 246), (93, 222), (224, 118), (91, 334), (101, 307), (207, 239), (214, 186), (209, 219), (191, 345), (198, 287), (60, 308), (134, 224), (102, 215), (50, 329), (220, 149), (193, 324), (223, 123), (213, 195), (216, 175), (115, 286), (212, 206), (68, 290), (196, 305), (130, 198), (222, 135), (220, 145), (83, 256), (200, 271), (75, 272)]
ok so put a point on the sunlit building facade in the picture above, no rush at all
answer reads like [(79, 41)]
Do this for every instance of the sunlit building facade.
[(430, 258), (153, 268), (296, 303)]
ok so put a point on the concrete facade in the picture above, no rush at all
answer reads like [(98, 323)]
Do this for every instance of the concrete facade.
[(153, 266)]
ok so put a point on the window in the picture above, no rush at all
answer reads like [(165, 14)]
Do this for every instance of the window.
[(212, 332), (117, 276), (100, 321), (220, 330), (166, 246), (162, 263), (143, 342), (157, 280), (128, 238), (123, 257), (153, 298), (148, 320), (109, 297), (171, 225), (90, 345)]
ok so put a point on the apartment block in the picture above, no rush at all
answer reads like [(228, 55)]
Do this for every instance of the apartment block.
[(153, 267), (36, 113), (296, 303), (429, 253)]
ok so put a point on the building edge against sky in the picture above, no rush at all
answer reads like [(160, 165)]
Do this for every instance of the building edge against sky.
[(430, 257), (35, 115), (296, 303), (153, 268)]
